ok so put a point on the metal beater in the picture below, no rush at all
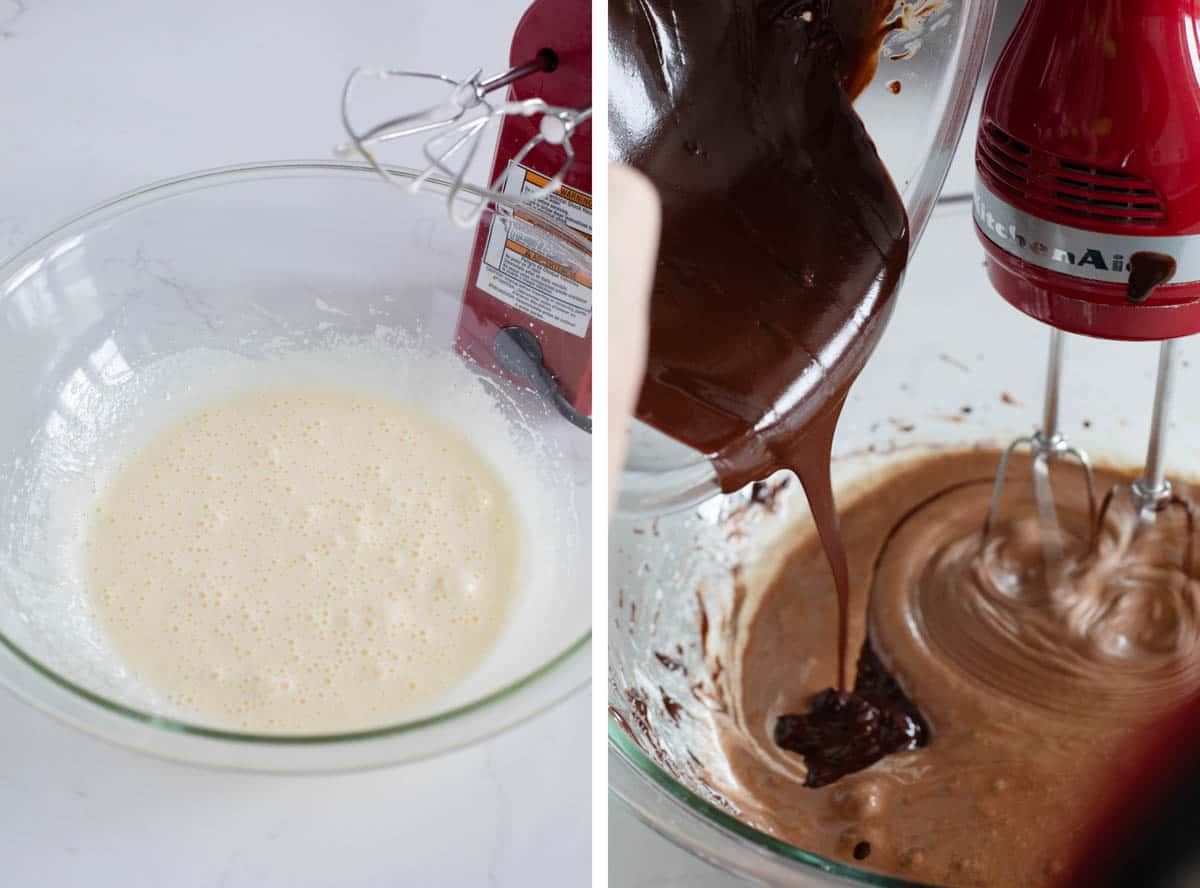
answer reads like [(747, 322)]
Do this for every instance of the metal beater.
[(455, 128), (1151, 494), (1047, 445)]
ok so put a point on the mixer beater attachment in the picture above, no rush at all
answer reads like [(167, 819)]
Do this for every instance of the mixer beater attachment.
[(454, 127), (1152, 493), (1048, 444)]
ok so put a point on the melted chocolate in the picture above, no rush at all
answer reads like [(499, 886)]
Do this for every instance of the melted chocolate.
[(1148, 271), (844, 733), (783, 238)]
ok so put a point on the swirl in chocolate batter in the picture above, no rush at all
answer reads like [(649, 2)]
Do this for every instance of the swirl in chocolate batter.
[(1030, 680)]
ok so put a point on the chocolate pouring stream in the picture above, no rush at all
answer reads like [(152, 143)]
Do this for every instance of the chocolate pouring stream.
[(783, 237)]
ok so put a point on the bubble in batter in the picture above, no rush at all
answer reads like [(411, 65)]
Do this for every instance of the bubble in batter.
[(301, 560)]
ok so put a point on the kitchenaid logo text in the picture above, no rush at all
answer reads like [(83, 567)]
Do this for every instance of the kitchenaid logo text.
[(1007, 235)]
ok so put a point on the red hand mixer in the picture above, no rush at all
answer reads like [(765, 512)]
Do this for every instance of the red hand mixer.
[(1087, 203), (527, 300), (1087, 198)]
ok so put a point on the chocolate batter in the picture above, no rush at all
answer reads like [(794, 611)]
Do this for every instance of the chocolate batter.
[(1029, 681), (783, 238)]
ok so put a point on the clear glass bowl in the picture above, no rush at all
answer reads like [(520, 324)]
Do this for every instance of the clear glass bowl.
[(952, 343), (916, 130), (252, 263)]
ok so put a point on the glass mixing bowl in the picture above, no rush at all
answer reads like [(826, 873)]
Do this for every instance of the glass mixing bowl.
[(953, 343), (176, 292), (935, 62)]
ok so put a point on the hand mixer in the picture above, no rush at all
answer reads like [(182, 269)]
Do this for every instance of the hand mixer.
[(1087, 161), (527, 299)]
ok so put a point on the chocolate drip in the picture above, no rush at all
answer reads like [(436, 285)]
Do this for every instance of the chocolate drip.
[(783, 237), (1148, 271)]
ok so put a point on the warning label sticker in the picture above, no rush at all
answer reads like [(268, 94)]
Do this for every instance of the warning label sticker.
[(527, 266), (566, 206)]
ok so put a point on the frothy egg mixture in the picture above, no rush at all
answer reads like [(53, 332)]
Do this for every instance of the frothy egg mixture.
[(301, 560)]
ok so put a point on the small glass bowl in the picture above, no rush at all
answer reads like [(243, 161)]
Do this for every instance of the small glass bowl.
[(250, 260)]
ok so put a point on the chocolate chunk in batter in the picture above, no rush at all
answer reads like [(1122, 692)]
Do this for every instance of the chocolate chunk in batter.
[(842, 733)]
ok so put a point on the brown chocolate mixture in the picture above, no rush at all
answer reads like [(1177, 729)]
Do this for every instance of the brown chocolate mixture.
[(783, 238), (1029, 680)]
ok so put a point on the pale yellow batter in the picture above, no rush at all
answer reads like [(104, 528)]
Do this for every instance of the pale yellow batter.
[(300, 560)]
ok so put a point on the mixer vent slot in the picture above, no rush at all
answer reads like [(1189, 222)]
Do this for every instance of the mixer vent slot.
[(1016, 170)]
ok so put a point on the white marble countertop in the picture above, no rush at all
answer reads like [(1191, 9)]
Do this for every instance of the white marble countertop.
[(96, 99)]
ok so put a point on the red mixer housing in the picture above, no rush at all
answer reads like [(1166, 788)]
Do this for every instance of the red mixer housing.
[(565, 27), (1088, 161)]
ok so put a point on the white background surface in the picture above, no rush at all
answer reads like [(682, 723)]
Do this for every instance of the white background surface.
[(98, 98)]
